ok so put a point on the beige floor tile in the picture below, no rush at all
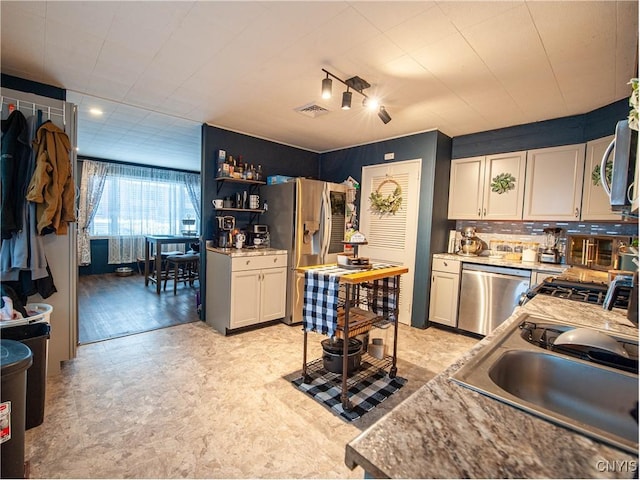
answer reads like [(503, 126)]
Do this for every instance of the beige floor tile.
[(187, 402)]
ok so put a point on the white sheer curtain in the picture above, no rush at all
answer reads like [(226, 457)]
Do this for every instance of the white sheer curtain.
[(192, 182), (91, 187), (139, 201)]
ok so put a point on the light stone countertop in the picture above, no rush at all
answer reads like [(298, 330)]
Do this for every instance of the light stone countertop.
[(247, 252), (499, 262), (445, 430)]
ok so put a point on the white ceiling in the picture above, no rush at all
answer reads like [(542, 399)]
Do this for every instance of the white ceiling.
[(459, 67)]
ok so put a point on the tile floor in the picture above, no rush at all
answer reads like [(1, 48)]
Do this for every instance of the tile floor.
[(187, 402)]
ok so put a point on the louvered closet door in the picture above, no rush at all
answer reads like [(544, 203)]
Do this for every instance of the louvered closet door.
[(392, 238)]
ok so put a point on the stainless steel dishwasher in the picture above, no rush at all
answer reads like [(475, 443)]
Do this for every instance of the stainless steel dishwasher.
[(488, 295)]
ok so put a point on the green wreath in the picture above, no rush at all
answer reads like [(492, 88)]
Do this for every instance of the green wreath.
[(502, 183), (595, 174), (389, 204)]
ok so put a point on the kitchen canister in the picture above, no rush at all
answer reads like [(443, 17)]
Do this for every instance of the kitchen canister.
[(529, 255), (376, 348)]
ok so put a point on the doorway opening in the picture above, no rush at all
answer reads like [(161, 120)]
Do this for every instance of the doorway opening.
[(112, 306)]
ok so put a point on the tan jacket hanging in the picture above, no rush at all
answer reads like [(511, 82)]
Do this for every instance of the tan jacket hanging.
[(52, 186)]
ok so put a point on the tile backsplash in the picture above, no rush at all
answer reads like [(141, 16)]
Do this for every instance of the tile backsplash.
[(536, 228), (533, 231)]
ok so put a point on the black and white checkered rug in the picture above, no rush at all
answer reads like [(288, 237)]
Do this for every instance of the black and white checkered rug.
[(364, 395)]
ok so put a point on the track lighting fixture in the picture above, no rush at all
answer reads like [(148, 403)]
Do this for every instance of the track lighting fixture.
[(384, 115), (357, 84), (346, 100), (326, 87)]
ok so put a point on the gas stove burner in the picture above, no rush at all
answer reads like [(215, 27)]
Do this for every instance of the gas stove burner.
[(587, 292)]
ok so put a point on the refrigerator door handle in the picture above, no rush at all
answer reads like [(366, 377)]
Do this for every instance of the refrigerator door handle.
[(325, 228)]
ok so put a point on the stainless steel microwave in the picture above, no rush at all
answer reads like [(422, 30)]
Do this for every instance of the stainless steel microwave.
[(617, 178), (597, 252)]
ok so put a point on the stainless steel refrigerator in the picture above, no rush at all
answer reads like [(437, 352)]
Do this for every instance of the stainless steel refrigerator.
[(307, 218)]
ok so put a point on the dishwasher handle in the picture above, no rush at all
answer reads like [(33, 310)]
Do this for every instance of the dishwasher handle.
[(512, 272)]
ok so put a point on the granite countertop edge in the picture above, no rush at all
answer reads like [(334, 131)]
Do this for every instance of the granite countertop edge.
[(499, 262), (247, 252), (445, 430)]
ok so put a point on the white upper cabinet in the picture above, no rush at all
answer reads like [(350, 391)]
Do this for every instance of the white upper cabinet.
[(488, 187), (553, 188), (595, 202), (504, 186), (465, 188)]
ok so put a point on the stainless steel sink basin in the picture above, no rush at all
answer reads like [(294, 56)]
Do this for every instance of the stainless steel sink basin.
[(594, 399)]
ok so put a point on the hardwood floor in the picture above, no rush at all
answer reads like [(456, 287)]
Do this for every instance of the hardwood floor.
[(110, 306)]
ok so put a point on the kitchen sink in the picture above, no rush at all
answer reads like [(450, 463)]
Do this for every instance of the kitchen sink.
[(566, 387)]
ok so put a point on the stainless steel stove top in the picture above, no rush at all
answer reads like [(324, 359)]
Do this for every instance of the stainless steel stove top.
[(589, 292)]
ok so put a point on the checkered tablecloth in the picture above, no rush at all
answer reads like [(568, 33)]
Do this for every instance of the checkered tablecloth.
[(322, 297)]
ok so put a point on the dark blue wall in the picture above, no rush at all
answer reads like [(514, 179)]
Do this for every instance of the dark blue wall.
[(549, 133), (23, 85), (434, 149), (275, 158), (99, 259)]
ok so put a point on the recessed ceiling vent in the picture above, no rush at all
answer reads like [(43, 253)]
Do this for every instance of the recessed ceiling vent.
[(312, 110)]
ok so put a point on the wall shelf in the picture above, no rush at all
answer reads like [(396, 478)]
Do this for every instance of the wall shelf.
[(248, 210), (220, 181)]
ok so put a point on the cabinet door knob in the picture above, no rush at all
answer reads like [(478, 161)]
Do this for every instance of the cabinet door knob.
[(248, 262), (478, 212), (577, 212), (275, 260), (445, 264), (484, 212)]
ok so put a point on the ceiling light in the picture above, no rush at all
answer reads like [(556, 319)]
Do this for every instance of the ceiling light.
[(384, 115), (346, 100), (358, 84), (370, 103), (95, 112), (326, 87)]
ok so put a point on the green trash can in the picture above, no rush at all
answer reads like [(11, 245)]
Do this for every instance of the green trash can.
[(15, 359)]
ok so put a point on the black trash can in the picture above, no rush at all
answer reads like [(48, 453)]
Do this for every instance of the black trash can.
[(34, 336), (15, 359)]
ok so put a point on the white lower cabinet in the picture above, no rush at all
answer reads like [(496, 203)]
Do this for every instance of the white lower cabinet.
[(537, 277), (245, 290), (445, 286)]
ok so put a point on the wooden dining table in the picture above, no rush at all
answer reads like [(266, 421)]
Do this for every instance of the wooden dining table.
[(158, 241)]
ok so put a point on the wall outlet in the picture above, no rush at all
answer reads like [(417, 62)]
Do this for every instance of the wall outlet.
[(389, 156)]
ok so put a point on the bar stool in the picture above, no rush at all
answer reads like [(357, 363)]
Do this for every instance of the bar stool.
[(182, 268)]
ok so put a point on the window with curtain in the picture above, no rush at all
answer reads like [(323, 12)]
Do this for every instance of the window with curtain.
[(138, 201), (135, 206)]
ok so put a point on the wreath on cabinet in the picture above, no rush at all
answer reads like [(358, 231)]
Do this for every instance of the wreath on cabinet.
[(386, 204), (595, 174), (502, 183)]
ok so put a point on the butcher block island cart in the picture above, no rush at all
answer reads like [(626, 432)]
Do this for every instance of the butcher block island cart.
[(343, 303)]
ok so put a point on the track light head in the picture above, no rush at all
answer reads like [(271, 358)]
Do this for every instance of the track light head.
[(370, 103), (357, 84), (326, 87), (384, 115), (346, 100)]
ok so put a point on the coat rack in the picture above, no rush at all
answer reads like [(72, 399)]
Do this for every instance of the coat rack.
[(13, 104)]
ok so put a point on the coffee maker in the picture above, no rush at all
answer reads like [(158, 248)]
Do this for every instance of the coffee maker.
[(550, 254), (225, 225), (258, 236)]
